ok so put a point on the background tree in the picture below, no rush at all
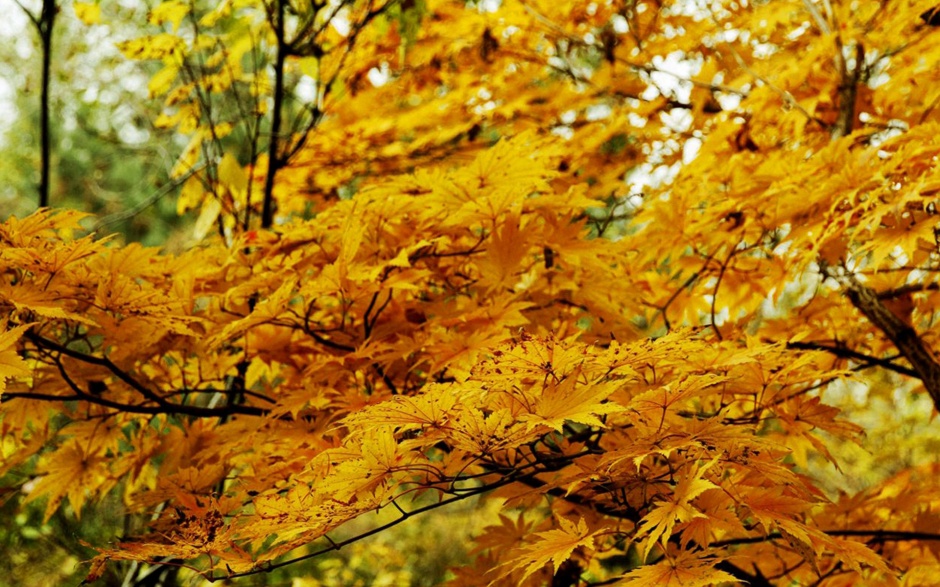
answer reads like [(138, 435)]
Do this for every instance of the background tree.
[(106, 156), (44, 23), (602, 264)]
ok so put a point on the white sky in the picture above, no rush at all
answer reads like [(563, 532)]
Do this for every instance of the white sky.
[(95, 76), (14, 28)]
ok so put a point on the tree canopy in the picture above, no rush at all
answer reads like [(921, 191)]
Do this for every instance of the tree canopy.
[(616, 266)]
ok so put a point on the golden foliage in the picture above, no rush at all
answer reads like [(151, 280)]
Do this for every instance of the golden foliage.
[(603, 261)]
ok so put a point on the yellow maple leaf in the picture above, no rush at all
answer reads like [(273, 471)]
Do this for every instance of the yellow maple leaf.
[(233, 176), (552, 546), (685, 570), (509, 247), (170, 11), (774, 505), (69, 472), (156, 46), (569, 401), (659, 522), (431, 409), (380, 457), (87, 12), (11, 363)]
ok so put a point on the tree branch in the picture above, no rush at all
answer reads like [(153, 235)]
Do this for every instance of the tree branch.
[(847, 353), (163, 406), (406, 515), (274, 151), (904, 337)]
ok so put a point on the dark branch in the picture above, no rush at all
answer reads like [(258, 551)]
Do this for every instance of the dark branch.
[(902, 334), (163, 406), (847, 353), (274, 150)]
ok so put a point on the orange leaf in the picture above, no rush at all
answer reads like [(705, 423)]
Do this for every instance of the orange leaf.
[(11, 364), (555, 546)]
